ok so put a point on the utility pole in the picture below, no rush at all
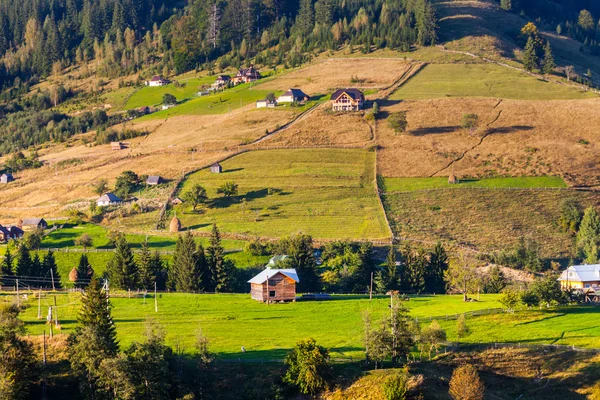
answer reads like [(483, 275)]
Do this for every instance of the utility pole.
[(44, 347), (55, 313), (18, 299), (155, 299), (52, 276)]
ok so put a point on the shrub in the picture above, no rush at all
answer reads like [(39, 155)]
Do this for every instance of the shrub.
[(465, 384), (308, 367), (509, 299), (395, 387), (398, 122)]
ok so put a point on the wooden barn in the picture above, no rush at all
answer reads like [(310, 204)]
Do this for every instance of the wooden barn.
[(31, 224), (274, 285), (347, 100)]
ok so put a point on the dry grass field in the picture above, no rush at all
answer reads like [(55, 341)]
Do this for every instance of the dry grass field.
[(333, 73), (485, 219), (515, 138)]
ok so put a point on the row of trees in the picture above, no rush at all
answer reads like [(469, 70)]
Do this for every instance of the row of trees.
[(28, 270)]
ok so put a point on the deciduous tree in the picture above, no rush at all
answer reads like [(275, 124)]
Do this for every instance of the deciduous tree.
[(308, 367), (465, 384)]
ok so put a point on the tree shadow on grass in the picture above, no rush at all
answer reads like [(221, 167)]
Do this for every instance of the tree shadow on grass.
[(434, 130), (509, 129), (228, 171)]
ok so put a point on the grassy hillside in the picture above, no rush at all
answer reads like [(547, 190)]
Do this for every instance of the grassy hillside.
[(482, 80), (486, 219), (524, 182), (327, 193), (152, 96)]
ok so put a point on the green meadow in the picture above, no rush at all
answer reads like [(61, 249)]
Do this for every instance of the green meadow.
[(327, 193), (482, 80), (231, 321), (152, 96), (522, 182)]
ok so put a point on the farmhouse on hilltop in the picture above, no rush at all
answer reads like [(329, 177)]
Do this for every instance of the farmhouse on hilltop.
[(8, 233), (580, 277), (108, 199), (293, 96), (246, 75), (6, 178), (347, 100), (274, 285), (30, 224), (221, 81), (157, 81)]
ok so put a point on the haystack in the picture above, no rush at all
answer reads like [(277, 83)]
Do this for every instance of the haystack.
[(452, 179), (73, 275), (175, 225)]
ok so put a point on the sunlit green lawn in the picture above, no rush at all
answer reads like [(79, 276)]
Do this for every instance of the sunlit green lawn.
[(523, 182)]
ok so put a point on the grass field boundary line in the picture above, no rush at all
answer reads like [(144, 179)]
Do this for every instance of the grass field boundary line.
[(380, 200), (76, 250), (488, 188), (410, 73)]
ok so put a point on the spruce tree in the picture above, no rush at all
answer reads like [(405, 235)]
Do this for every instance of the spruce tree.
[(95, 312), (436, 266), (588, 238), (215, 259), (24, 262), (391, 276), (530, 58), (159, 271), (50, 268), (36, 267), (415, 271), (6, 270), (548, 64), (84, 272), (122, 269), (147, 277), (188, 267)]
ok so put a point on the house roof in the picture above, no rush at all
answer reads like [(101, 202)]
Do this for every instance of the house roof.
[(109, 197), (156, 78), (250, 71), (271, 272), (32, 221), (353, 93), (11, 230), (581, 273), (153, 179), (295, 93), (223, 77)]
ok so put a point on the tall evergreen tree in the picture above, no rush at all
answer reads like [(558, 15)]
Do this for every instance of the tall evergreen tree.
[(95, 312), (188, 271), (50, 269), (147, 276), (415, 270), (215, 258), (6, 270), (548, 64), (299, 249), (306, 17), (588, 237), (122, 269), (24, 263), (391, 274), (530, 58), (159, 271), (436, 267), (84, 272), (37, 268)]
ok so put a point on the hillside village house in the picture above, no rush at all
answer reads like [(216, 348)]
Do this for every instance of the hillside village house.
[(274, 285), (265, 103), (108, 199), (8, 233), (31, 224), (157, 81), (293, 96), (347, 100), (6, 178), (117, 145), (221, 81), (580, 277), (154, 180), (246, 75)]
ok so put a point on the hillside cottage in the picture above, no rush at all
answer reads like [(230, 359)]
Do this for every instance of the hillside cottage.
[(108, 199), (246, 75), (265, 103), (154, 180), (347, 100), (157, 81), (8, 233), (293, 96), (274, 285), (6, 178), (580, 277), (117, 145), (31, 224), (221, 81), (216, 168)]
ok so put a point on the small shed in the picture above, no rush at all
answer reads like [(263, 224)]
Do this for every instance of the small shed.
[(117, 145), (265, 103), (30, 224), (175, 225), (108, 199), (273, 285), (154, 180), (216, 168), (6, 178)]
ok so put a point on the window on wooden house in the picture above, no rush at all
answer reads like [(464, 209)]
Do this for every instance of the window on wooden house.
[(271, 293)]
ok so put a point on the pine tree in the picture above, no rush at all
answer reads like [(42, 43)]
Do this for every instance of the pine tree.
[(84, 272), (95, 312), (23, 263), (215, 260), (530, 58), (6, 270), (50, 269), (36, 269), (159, 271), (434, 273), (391, 276), (548, 64), (147, 277), (588, 238), (122, 269), (306, 17), (187, 270), (415, 271)]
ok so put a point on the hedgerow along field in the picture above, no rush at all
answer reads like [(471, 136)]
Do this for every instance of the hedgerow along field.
[(326, 193), (482, 80), (485, 219), (231, 321)]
